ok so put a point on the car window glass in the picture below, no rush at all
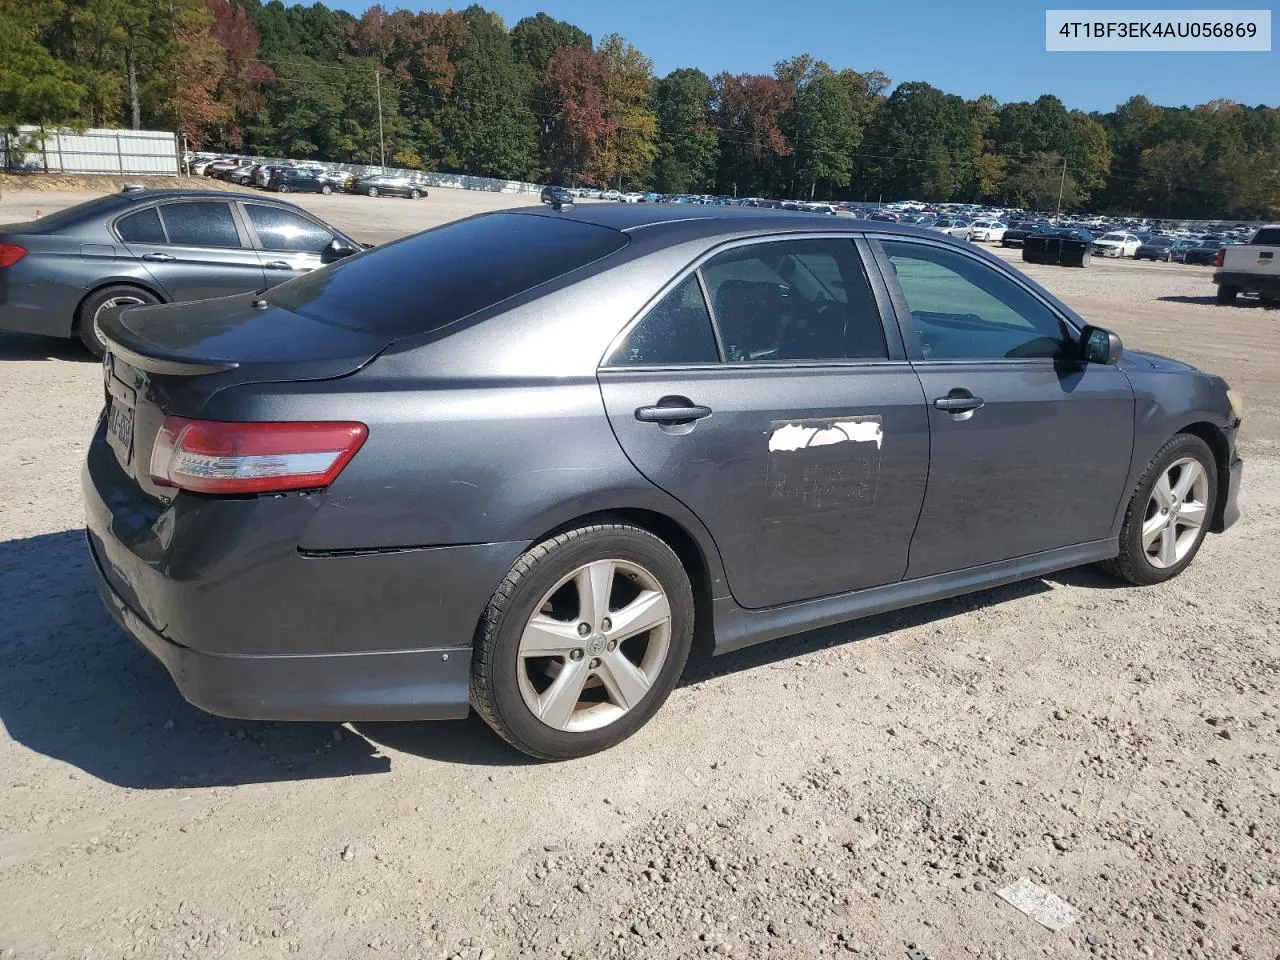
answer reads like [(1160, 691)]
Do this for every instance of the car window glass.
[(283, 230), (141, 227), (676, 331), (794, 300), (200, 223), (963, 309), (1267, 237)]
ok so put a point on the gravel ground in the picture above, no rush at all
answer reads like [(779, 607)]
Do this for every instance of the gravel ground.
[(862, 789)]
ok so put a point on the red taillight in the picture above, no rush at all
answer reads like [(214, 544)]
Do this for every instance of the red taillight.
[(213, 456), (1221, 257), (11, 253)]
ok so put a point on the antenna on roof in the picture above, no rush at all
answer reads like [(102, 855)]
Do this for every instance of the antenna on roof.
[(132, 188)]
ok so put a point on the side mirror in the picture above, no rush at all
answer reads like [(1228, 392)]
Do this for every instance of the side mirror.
[(336, 250), (1100, 346)]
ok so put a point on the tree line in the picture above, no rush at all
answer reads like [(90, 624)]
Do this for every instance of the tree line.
[(460, 91)]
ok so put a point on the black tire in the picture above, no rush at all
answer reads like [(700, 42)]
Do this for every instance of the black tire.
[(1227, 295), (1132, 563), (284, 188), (84, 326), (414, 194), (371, 191), (326, 189), (1084, 259), (495, 691)]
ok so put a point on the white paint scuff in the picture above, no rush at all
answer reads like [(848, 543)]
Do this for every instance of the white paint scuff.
[(795, 436)]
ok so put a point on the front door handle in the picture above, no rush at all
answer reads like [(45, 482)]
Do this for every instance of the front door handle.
[(277, 265), (159, 257), (958, 401), (672, 410)]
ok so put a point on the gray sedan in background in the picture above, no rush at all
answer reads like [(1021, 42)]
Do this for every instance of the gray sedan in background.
[(522, 461), (58, 275)]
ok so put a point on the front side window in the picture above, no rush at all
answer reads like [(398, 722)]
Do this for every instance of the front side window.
[(794, 300), (200, 223), (676, 331), (963, 309), (285, 231)]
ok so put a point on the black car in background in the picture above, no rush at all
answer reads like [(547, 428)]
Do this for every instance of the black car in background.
[(1019, 230), (556, 195), (1204, 253), (300, 180), (1155, 248), (60, 275), (387, 185)]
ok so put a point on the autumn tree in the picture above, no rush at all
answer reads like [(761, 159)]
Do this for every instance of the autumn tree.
[(630, 145), (574, 82), (748, 111)]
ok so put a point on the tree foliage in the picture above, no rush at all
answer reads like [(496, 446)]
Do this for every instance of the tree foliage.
[(459, 91)]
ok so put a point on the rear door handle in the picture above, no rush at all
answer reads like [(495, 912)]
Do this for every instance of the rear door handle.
[(277, 265), (159, 257), (685, 413), (958, 401)]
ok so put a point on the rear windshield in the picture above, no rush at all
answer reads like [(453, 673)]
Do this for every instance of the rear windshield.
[(1268, 237), (71, 216), (424, 282)]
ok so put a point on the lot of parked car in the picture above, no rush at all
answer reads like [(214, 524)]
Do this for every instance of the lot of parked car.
[(289, 176)]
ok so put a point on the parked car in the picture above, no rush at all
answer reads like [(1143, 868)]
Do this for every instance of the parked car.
[(1116, 244), (1155, 248), (300, 180), (59, 275), (230, 173), (987, 231), (1019, 230), (243, 175), (1180, 247), (1204, 253), (556, 195), (952, 226), (388, 185), (1251, 268), (328, 502)]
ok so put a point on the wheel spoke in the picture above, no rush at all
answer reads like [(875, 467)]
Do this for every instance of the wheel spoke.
[(545, 637), (595, 584), (1168, 546), (1191, 514), (1163, 491), (1191, 472), (643, 613), (1151, 530), (556, 705), (625, 682)]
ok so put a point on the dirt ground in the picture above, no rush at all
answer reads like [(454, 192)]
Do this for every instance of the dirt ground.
[(860, 790)]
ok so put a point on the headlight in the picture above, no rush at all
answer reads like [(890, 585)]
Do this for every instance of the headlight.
[(1237, 404)]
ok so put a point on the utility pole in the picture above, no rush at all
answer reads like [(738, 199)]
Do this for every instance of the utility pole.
[(382, 144), (1061, 186)]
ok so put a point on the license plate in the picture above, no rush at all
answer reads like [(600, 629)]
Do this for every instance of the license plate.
[(120, 430)]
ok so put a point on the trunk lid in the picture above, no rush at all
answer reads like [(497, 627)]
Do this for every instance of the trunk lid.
[(171, 359)]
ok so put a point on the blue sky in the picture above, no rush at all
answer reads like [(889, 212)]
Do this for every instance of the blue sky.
[(969, 48)]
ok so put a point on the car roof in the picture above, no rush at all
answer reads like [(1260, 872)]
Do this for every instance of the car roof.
[(691, 221)]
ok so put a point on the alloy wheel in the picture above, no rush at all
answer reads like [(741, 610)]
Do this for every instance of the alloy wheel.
[(594, 645), (1176, 510), (124, 300)]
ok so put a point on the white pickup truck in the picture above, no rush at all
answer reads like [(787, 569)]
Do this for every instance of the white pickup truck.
[(1252, 267)]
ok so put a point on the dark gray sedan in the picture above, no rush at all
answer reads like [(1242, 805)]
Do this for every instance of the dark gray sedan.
[(521, 461), (60, 274)]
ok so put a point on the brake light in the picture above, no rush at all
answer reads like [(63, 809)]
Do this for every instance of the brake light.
[(1221, 257), (212, 456), (11, 253)]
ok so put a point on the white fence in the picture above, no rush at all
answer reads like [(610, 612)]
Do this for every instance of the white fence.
[(93, 151)]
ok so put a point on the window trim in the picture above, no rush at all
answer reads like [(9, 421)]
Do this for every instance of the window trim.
[(894, 344), (256, 239), (115, 224), (903, 312)]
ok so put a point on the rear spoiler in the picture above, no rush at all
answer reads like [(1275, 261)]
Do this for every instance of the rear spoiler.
[(121, 342)]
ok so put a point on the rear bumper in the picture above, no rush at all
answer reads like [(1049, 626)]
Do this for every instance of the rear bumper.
[(430, 684), (1249, 282)]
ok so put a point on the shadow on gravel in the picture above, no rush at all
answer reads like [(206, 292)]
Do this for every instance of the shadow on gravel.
[(75, 688), (1209, 301), (23, 346)]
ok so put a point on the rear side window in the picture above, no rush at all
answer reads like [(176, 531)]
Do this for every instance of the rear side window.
[(1268, 237), (201, 223), (141, 227), (424, 282), (675, 332)]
